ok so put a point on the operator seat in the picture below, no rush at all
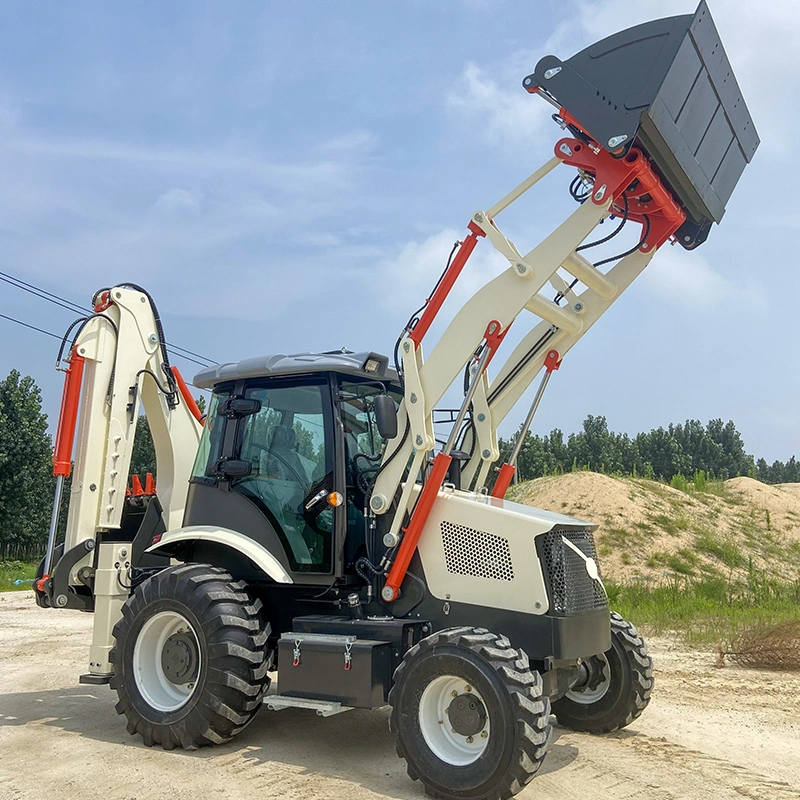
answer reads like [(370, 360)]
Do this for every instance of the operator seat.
[(282, 459)]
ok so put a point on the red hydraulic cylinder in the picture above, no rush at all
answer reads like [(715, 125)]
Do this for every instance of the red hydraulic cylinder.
[(503, 481), (408, 545), (446, 284), (68, 417), (187, 396)]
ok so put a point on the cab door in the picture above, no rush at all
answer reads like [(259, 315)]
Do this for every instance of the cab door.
[(289, 445)]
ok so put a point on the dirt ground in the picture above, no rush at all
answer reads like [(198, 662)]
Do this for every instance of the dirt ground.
[(710, 734)]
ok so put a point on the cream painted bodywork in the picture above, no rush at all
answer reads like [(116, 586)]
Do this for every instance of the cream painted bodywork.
[(504, 533), (259, 555)]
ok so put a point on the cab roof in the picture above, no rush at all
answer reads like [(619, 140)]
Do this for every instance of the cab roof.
[(362, 365)]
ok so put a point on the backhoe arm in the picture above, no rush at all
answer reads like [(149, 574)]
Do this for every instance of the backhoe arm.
[(117, 360)]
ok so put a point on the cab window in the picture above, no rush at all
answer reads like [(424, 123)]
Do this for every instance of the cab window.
[(210, 449), (289, 447)]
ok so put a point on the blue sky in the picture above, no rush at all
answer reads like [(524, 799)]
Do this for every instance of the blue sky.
[(291, 176)]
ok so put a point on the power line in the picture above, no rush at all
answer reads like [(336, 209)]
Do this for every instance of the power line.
[(41, 293), (60, 338), (32, 327), (74, 307)]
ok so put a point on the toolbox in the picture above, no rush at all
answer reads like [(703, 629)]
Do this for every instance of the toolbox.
[(341, 668)]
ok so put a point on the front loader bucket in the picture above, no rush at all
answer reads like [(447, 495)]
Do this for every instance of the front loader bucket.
[(666, 87)]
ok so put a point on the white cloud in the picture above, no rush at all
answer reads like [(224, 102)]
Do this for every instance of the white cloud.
[(508, 116), (82, 212), (687, 279), (406, 278), (176, 200)]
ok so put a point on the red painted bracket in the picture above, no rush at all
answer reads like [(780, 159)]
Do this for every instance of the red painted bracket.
[(552, 361), (632, 176)]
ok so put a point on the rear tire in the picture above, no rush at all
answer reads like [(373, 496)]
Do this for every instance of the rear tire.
[(469, 716), (625, 673), (190, 659)]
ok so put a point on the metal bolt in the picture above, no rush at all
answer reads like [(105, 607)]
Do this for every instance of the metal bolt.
[(521, 269), (441, 722), (566, 149), (152, 338), (600, 193), (142, 299), (454, 693), (645, 246), (83, 351), (376, 503), (418, 440), (615, 141), (467, 688), (551, 73), (413, 398), (538, 604), (406, 347), (387, 593), (486, 453), (390, 540), (481, 417), (478, 217), (578, 307), (118, 295), (61, 600), (189, 685), (484, 735), (92, 487), (492, 327), (469, 740), (527, 82), (687, 238)]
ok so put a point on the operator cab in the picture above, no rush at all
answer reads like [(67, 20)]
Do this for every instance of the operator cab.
[(290, 446)]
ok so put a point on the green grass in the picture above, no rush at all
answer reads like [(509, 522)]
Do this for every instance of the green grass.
[(671, 525), (706, 611), (11, 571), (726, 551)]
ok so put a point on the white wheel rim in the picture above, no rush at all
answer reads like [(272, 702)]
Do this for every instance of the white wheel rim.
[(443, 741), (587, 697), (152, 682)]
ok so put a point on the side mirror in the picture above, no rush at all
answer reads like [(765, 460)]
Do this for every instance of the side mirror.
[(385, 415), (232, 468), (238, 407)]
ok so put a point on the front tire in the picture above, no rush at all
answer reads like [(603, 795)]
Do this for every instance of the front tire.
[(190, 660), (618, 685), (469, 716)]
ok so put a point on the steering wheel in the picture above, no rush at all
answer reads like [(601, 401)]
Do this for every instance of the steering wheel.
[(301, 479)]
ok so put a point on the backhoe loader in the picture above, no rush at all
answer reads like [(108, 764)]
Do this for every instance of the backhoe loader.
[(310, 524)]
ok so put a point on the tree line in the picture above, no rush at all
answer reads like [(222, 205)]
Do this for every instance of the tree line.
[(716, 449), (27, 483)]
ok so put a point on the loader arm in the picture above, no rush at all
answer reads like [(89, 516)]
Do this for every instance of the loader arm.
[(664, 153)]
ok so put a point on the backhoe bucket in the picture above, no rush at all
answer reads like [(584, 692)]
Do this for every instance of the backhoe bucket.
[(666, 87)]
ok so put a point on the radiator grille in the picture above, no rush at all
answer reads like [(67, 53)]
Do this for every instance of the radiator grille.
[(476, 553), (571, 589)]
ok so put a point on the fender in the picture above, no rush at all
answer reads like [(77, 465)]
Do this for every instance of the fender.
[(259, 555)]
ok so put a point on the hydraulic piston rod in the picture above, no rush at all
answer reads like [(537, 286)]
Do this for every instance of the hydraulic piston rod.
[(507, 472)]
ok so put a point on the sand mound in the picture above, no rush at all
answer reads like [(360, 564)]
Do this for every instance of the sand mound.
[(650, 531)]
